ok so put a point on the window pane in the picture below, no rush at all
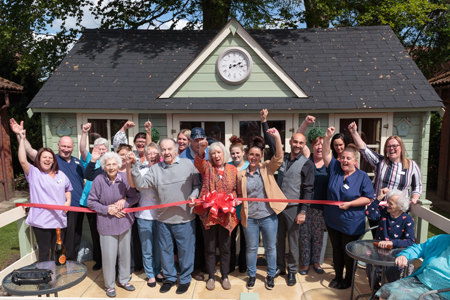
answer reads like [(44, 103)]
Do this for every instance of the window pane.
[(215, 132), (116, 125), (343, 125), (189, 125), (99, 128), (371, 131)]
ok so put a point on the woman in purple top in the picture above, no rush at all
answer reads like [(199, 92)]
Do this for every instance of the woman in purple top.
[(48, 185), (110, 193)]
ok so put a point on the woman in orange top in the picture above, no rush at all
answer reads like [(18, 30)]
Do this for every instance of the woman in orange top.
[(219, 176)]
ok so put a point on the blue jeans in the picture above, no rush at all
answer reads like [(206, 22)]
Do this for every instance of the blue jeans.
[(268, 227), (184, 236), (151, 252)]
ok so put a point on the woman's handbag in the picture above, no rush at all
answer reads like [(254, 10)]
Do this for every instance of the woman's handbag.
[(32, 276)]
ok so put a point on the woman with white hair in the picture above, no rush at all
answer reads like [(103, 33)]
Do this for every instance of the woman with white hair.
[(395, 229), (217, 176), (110, 193)]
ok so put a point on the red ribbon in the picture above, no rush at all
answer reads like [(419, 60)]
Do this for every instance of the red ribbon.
[(219, 201), (216, 200)]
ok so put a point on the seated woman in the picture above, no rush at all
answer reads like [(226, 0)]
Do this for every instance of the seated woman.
[(257, 181), (396, 228), (217, 176), (346, 222), (110, 193), (434, 274)]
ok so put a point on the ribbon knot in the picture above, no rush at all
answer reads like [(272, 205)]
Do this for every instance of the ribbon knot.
[(219, 201)]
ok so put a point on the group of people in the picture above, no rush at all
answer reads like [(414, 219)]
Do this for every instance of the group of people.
[(189, 168)]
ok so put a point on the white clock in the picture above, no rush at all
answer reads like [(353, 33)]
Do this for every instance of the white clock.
[(234, 65)]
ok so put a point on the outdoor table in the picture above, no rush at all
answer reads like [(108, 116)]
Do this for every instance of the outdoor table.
[(63, 277), (365, 251)]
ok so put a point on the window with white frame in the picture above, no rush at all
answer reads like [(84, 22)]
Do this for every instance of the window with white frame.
[(106, 126)]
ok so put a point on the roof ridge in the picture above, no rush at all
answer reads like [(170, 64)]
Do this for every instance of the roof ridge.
[(439, 77)]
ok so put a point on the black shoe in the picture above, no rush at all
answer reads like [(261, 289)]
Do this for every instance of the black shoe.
[(166, 286), (197, 275), (270, 282), (183, 288), (279, 272), (343, 285), (335, 282), (151, 284), (291, 279), (159, 279), (251, 282), (97, 266)]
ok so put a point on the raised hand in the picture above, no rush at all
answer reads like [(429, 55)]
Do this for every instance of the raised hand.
[(148, 127), (273, 132), (310, 119), (263, 115), (128, 125), (202, 145), (15, 127), (96, 154), (383, 193), (130, 158), (86, 127), (352, 127), (330, 132)]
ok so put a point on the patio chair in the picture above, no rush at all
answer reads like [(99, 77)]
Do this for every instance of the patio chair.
[(433, 292), (356, 265)]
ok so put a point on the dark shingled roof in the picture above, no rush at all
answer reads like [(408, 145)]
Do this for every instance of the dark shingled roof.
[(339, 68)]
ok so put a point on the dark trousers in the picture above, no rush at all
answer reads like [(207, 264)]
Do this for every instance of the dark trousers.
[(74, 231), (136, 248), (199, 258), (97, 250), (339, 240), (288, 227), (222, 236), (46, 240), (242, 261)]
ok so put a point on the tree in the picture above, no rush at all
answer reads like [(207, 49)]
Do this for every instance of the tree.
[(422, 26), (204, 14)]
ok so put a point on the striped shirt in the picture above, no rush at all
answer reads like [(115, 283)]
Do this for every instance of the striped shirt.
[(391, 175)]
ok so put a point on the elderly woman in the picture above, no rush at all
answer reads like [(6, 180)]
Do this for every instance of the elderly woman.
[(257, 181), (311, 231), (47, 185), (183, 140), (217, 176), (110, 193), (237, 160), (146, 220), (346, 222), (434, 274), (396, 228)]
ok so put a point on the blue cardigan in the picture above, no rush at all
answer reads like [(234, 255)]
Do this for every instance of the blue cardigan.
[(429, 250)]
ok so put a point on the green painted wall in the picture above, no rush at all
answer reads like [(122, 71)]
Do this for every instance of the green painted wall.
[(205, 83), (49, 136), (159, 121)]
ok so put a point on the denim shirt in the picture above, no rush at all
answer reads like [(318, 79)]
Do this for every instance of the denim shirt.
[(255, 189)]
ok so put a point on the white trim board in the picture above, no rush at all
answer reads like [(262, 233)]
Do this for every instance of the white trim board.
[(218, 39)]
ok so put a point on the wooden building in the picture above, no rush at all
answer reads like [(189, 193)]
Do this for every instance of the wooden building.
[(222, 79)]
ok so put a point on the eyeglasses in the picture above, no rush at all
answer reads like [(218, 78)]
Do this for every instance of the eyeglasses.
[(392, 146)]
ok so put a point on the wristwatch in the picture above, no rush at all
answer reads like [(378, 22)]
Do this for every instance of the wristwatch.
[(303, 212)]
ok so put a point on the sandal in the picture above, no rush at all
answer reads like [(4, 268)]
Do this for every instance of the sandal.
[(111, 293), (128, 286)]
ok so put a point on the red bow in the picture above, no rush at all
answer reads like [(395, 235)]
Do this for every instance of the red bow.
[(219, 201)]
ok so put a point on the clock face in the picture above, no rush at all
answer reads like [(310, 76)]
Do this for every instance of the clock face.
[(234, 65)]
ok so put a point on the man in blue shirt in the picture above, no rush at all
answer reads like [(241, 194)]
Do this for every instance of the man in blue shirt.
[(72, 167), (197, 135)]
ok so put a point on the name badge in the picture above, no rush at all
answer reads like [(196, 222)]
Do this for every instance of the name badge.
[(402, 172), (77, 162), (281, 169), (346, 186), (59, 181)]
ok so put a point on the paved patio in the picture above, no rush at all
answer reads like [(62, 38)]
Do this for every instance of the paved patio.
[(311, 286)]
